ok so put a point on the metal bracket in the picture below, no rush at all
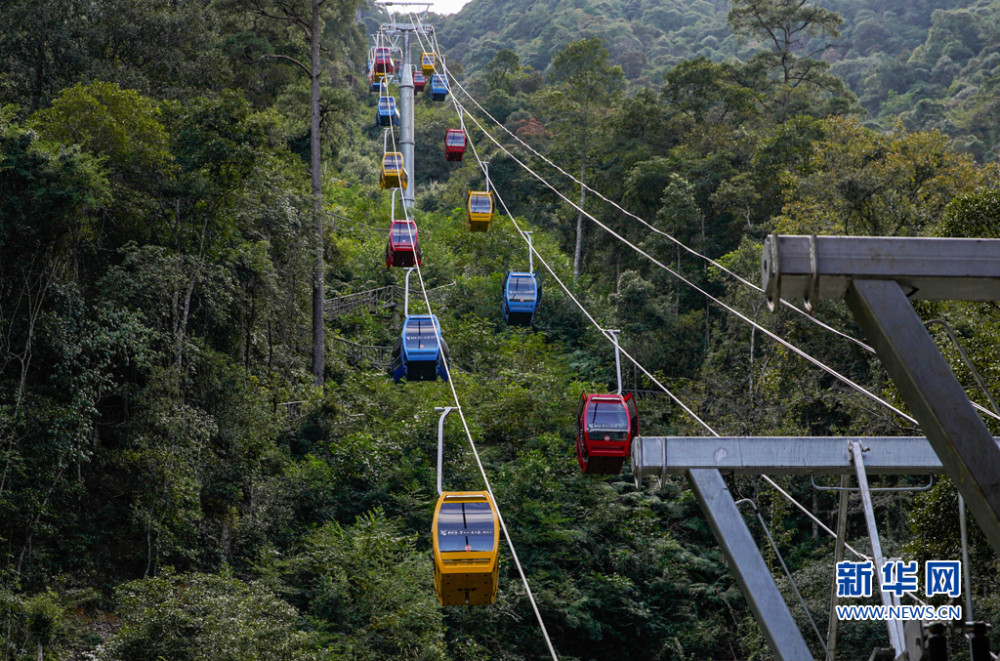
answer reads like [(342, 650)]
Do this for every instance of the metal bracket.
[(746, 562), (888, 598), (873, 274)]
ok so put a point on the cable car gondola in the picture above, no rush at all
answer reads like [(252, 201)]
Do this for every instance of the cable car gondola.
[(454, 144), (420, 352), (387, 114), (419, 81), (403, 246), (479, 210), (605, 427), (427, 63), (383, 61), (393, 172), (466, 531), (522, 294), (439, 87)]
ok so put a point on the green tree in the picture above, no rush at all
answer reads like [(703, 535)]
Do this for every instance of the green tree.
[(187, 617), (584, 86), (794, 34), (860, 181), (308, 19), (501, 70)]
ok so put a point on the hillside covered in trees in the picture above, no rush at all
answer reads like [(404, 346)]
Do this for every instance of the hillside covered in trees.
[(175, 485), (931, 65)]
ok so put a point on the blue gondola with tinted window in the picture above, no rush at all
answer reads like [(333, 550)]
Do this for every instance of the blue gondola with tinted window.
[(522, 294), (387, 114), (439, 87), (420, 352)]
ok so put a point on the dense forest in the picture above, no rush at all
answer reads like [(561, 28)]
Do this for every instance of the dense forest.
[(927, 64), (175, 485)]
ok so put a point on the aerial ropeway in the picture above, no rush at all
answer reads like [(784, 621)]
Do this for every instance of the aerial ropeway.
[(387, 114), (439, 87), (393, 171), (466, 536), (427, 61), (454, 144), (478, 210), (420, 352), (403, 246), (605, 426), (522, 294), (382, 61)]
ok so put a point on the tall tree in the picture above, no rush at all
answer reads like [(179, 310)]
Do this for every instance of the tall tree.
[(308, 18), (584, 85), (794, 34)]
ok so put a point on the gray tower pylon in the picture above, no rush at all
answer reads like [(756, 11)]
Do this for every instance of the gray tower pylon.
[(406, 121)]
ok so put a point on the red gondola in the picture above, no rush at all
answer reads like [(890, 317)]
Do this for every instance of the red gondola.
[(605, 427), (403, 246), (383, 61), (454, 144), (419, 81)]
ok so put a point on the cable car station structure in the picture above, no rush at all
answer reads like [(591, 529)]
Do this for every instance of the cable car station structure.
[(877, 277)]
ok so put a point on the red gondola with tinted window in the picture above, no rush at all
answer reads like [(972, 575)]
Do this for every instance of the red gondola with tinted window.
[(419, 81), (403, 247), (605, 425), (383, 63), (454, 144)]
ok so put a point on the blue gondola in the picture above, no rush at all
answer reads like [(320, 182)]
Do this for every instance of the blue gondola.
[(387, 114), (420, 352), (522, 294), (439, 87)]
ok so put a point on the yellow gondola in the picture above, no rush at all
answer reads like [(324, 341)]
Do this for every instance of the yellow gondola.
[(393, 172), (466, 532), (479, 210), (427, 63)]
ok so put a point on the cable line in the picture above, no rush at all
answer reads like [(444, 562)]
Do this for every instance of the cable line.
[(461, 112), (799, 352), (656, 230), (465, 425)]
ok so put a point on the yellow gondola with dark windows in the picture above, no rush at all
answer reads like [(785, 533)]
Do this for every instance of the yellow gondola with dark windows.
[(393, 172), (479, 210), (466, 533), (427, 63)]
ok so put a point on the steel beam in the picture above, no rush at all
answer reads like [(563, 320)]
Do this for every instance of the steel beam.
[(657, 456), (895, 628), (740, 549), (814, 268), (967, 451)]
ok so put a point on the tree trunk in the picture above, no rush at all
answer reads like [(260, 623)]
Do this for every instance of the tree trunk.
[(578, 252), (318, 340)]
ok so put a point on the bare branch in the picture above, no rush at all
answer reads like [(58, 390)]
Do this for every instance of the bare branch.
[(290, 59)]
